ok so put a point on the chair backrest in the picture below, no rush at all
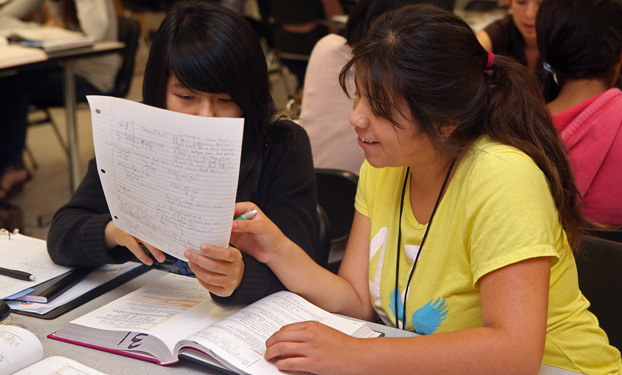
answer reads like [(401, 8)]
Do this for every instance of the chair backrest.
[(147, 5), (129, 32), (296, 12), (600, 282), (611, 235), (336, 190), (323, 240)]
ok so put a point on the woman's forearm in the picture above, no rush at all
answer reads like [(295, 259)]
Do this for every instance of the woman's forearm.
[(301, 275)]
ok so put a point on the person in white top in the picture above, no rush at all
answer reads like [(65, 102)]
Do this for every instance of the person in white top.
[(326, 108)]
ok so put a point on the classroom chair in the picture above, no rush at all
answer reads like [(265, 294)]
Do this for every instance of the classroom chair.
[(324, 235), (336, 190), (599, 280), (271, 14), (129, 32), (611, 235)]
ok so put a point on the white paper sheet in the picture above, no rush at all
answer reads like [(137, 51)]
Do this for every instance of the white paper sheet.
[(18, 348), (58, 366), (170, 179), (26, 254)]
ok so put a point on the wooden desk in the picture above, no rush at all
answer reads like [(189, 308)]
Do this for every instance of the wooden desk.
[(115, 364), (66, 59)]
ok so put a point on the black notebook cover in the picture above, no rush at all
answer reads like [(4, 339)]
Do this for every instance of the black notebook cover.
[(91, 294)]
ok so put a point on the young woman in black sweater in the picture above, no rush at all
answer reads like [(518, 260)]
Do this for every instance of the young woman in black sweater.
[(206, 60)]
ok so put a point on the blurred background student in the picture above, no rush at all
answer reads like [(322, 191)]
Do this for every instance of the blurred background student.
[(205, 60), (581, 44), (515, 35), (43, 87), (326, 108), (298, 27)]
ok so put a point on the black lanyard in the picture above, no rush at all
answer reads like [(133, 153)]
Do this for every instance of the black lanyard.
[(399, 240)]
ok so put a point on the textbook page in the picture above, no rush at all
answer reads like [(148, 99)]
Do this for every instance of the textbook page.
[(170, 179), (28, 254), (240, 339), (160, 311), (18, 348), (175, 314), (56, 365)]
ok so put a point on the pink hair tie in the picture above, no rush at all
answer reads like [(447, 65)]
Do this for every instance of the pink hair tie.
[(491, 60)]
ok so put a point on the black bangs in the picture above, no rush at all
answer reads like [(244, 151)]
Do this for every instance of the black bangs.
[(375, 78), (190, 59), (383, 97)]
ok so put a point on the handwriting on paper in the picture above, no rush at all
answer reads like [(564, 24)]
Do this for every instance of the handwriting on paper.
[(170, 179)]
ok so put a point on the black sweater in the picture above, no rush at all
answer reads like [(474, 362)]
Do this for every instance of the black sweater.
[(286, 193)]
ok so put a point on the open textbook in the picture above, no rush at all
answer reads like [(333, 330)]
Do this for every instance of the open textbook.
[(170, 179), (176, 314), (21, 353)]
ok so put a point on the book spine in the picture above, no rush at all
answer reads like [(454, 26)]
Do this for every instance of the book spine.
[(129, 354)]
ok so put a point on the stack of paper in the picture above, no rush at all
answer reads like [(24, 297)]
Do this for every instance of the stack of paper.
[(48, 38)]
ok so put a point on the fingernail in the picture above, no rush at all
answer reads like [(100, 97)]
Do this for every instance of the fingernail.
[(187, 254), (204, 247)]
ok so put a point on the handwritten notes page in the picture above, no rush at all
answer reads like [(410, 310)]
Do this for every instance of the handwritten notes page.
[(170, 179)]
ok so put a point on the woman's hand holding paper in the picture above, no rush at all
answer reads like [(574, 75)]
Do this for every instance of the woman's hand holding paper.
[(220, 270), (259, 236), (116, 237)]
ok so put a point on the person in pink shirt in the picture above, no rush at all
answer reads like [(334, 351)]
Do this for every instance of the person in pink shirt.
[(580, 42)]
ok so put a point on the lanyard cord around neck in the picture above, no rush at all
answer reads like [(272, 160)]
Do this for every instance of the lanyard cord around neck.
[(399, 239)]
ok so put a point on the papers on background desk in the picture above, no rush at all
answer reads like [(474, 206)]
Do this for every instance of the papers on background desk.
[(48, 38), (15, 55), (26, 254), (92, 281)]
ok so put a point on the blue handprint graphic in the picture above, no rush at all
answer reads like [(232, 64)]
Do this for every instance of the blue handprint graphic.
[(427, 319), (400, 309)]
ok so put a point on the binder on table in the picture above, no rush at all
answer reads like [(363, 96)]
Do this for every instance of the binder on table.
[(47, 291), (21, 307)]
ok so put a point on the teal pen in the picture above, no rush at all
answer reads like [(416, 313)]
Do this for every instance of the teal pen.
[(246, 215)]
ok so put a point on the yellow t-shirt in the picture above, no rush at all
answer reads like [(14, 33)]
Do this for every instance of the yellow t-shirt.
[(497, 210)]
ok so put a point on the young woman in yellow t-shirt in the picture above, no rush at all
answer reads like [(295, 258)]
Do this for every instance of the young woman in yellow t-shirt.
[(467, 214)]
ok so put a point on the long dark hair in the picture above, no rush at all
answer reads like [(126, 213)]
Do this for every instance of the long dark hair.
[(209, 48), (579, 39), (364, 12), (430, 59)]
